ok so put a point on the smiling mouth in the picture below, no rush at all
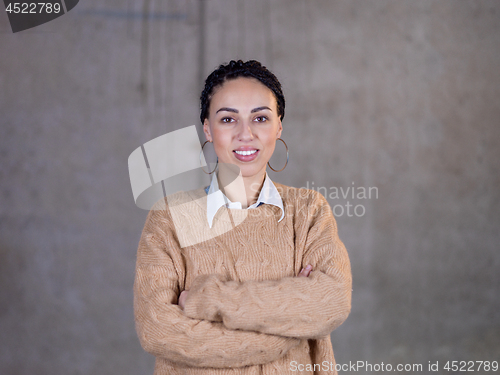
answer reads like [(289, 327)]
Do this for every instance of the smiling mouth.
[(245, 153)]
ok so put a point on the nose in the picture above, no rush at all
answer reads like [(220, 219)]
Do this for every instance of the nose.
[(245, 133)]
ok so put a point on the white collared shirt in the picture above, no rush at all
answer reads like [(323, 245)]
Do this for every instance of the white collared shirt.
[(217, 199)]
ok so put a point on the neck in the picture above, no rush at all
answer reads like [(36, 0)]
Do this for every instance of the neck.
[(238, 188)]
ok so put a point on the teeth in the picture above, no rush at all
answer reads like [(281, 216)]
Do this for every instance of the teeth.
[(246, 152)]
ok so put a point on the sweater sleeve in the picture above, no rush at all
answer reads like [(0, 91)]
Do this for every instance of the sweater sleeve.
[(300, 307), (165, 331)]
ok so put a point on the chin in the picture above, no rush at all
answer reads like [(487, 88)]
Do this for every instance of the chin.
[(250, 172)]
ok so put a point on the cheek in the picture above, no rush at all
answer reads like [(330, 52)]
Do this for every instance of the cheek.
[(270, 143), (222, 141), (220, 151), (271, 147)]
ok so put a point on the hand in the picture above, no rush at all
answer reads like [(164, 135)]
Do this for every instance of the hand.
[(182, 299), (304, 272)]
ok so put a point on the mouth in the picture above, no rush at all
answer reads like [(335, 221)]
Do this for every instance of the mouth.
[(246, 155)]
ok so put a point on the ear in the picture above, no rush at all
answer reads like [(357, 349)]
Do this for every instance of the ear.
[(206, 130), (280, 129)]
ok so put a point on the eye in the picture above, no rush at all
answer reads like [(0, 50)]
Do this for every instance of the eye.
[(226, 120), (261, 118)]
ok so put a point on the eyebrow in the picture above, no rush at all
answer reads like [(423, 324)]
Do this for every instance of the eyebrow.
[(227, 109)]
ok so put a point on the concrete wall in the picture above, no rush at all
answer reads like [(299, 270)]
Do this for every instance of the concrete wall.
[(401, 96)]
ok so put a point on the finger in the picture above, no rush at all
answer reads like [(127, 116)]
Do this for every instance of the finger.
[(308, 270), (304, 272)]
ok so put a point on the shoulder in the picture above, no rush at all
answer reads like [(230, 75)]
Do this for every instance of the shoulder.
[(161, 210), (300, 196), (304, 204), (182, 197), (306, 208)]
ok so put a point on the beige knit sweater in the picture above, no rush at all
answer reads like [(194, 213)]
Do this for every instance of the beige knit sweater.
[(246, 312)]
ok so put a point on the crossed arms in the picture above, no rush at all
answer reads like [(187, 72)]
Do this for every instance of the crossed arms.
[(224, 323)]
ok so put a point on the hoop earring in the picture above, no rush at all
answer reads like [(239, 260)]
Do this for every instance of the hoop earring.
[(286, 157), (216, 164)]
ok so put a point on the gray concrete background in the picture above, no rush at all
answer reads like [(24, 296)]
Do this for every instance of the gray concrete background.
[(398, 95)]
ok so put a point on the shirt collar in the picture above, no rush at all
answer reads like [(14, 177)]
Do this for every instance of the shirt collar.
[(216, 198)]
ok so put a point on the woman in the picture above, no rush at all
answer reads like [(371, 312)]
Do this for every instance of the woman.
[(245, 276)]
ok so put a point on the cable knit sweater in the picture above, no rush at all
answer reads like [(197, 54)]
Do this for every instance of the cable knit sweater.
[(246, 311)]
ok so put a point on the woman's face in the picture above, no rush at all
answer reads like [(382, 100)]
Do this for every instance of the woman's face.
[(243, 124)]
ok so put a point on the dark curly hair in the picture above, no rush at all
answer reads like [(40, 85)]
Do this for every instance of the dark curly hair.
[(235, 69)]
